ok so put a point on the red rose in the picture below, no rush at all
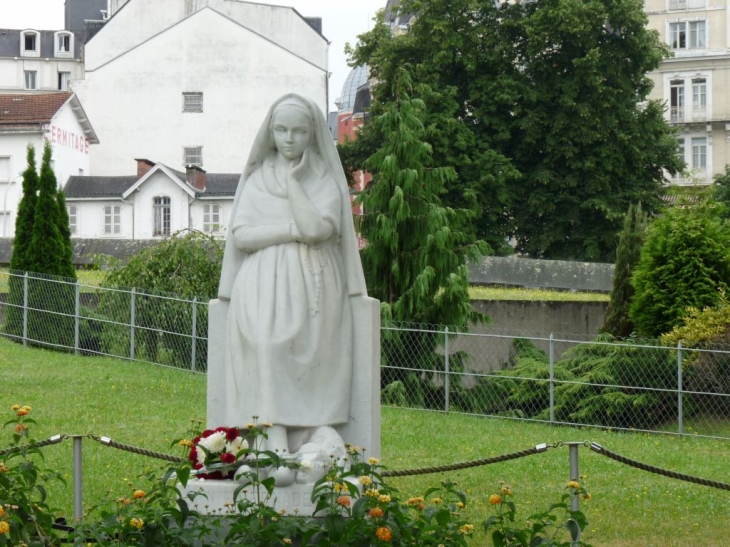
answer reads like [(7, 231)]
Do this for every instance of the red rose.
[(193, 454), (231, 434), (227, 457), (207, 433)]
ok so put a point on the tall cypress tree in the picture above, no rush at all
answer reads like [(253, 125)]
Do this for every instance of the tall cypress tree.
[(23, 235), (628, 252), (67, 263), (415, 259), (26, 214), (46, 246)]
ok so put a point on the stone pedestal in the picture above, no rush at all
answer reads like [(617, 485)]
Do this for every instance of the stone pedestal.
[(294, 499)]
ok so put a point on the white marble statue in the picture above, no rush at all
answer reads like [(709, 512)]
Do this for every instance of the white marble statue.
[(291, 265)]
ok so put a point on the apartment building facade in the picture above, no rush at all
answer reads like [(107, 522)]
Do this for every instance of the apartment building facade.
[(694, 82)]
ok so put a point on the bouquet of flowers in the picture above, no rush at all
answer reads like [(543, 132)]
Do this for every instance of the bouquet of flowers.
[(217, 453)]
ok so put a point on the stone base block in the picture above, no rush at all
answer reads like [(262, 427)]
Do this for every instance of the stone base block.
[(294, 499)]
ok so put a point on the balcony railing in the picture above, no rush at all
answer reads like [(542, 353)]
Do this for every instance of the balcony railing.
[(687, 4), (709, 113)]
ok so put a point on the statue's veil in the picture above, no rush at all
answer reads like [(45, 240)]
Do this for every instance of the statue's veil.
[(323, 157)]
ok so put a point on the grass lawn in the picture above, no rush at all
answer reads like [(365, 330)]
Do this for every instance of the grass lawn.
[(148, 406)]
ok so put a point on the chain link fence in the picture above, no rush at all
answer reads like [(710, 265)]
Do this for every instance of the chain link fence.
[(547, 377)]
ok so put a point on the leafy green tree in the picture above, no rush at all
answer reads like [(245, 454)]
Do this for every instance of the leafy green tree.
[(616, 321), (685, 262), (415, 258), (540, 108), (186, 265)]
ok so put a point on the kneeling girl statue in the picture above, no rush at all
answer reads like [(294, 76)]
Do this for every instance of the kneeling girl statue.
[(291, 262)]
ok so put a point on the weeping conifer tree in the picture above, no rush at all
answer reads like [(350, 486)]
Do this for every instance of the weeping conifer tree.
[(628, 252), (23, 235), (415, 258)]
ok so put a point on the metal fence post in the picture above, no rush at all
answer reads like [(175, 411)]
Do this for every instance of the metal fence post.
[(25, 309), (78, 478), (131, 322), (552, 379), (195, 320), (574, 476), (680, 424), (447, 380), (77, 313)]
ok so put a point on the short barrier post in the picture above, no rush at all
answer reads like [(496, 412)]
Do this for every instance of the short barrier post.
[(78, 478), (574, 476)]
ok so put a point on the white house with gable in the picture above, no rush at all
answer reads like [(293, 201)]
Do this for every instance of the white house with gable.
[(188, 82), (31, 119), (155, 203)]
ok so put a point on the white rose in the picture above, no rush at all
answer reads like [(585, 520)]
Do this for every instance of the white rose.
[(306, 465), (215, 443)]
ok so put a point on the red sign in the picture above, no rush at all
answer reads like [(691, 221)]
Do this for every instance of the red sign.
[(69, 139)]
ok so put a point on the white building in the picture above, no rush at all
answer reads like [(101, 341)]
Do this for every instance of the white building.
[(39, 60), (154, 203), (189, 81), (695, 81), (30, 119)]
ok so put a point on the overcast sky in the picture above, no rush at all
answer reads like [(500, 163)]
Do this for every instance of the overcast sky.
[(342, 21)]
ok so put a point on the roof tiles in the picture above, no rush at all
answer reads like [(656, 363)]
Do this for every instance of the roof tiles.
[(31, 108)]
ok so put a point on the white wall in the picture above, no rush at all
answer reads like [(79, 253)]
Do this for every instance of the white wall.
[(159, 184), (135, 102), (71, 149), (13, 147), (12, 72)]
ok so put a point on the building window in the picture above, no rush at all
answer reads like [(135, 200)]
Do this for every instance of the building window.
[(676, 100), (29, 41), (193, 155), (4, 169), (64, 43), (688, 34), (63, 78), (161, 206), (699, 153), (687, 4), (699, 95), (112, 219), (211, 217), (31, 79), (192, 102), (72, 215)]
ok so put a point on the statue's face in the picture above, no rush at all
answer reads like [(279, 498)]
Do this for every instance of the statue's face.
[(292, 132)]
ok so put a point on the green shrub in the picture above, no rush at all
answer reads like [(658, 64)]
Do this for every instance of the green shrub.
[(684, 261)]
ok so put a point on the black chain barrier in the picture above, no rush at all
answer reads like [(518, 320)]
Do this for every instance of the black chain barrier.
[(658, 470)]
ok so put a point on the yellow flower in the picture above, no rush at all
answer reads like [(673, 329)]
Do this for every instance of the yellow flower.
[(250, 425), (344, 501), (2, 511), (384, 498), (4, 527), (268, 424), (495, 499), (460, 505), (373, 461), (466, 529), (4, 468), (507, 490), (22, 411), (573, 484), (415, 501), (19, 428), (365, 480), (339, 487), (384, 534), (14, 407), (26, 407), (137, 523), (286, 541), (372, 492), (437, 501), (185, 442), (587, 496), (138, 494)]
